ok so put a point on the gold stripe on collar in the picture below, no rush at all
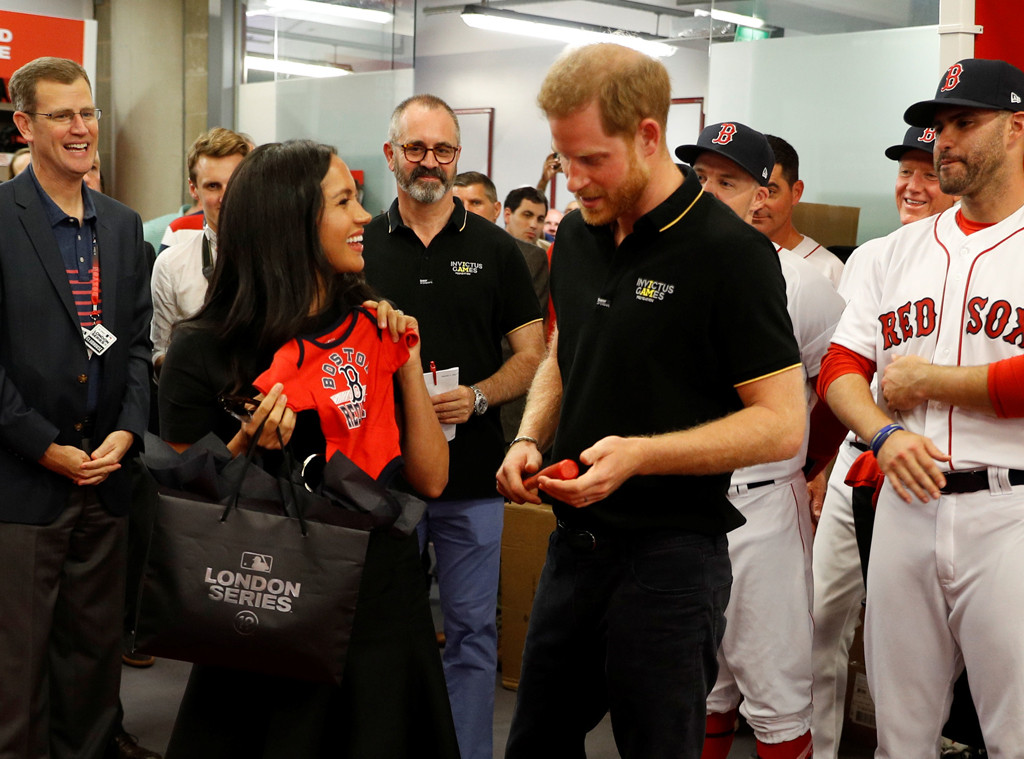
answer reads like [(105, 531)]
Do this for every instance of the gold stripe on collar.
[(675, 220)]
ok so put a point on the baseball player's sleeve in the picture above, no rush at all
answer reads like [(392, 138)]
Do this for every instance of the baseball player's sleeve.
[(816, 312), (862, 287), (1006, 387)]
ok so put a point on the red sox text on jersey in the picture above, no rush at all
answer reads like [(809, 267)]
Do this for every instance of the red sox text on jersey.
[(997, 318), (954, 300)]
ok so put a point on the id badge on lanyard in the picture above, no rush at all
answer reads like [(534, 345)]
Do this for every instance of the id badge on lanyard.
[(97, 338)]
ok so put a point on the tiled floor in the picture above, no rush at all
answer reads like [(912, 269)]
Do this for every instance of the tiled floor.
[(151, 699)]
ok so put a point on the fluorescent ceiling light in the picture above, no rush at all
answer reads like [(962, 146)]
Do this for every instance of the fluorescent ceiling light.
[(326, 13), (731, 18), (557, 30), (292, 68)]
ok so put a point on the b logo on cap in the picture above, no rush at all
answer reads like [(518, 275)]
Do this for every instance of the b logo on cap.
[(952, 77), (928, 135), (725, 134)]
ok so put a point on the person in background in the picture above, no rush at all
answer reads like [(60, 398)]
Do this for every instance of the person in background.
[(478, 194), (181, 273), (467, 283), (551, 220), (525, 208), (764, 660), (19, 162), (476, 191), (94, 177), (551, 167), (775, 217), (844, 528)]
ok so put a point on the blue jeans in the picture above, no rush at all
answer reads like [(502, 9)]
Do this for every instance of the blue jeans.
[(631, 627), (467, 541)]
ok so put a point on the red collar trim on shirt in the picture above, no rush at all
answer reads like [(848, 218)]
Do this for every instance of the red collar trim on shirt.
[(969, 227)]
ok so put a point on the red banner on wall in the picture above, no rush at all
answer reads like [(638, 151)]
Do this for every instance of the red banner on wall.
[(25, 37)]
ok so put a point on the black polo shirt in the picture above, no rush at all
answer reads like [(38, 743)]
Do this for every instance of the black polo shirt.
[(469, 288), (654, 337)]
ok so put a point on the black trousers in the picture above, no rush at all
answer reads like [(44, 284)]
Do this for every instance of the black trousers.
[(60, 632), (631, 627)]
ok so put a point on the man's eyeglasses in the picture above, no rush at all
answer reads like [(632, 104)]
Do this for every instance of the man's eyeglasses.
[(443, 154), (66, 117)]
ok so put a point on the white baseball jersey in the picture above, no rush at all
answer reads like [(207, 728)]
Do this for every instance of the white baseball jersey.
[(771, 556), (814, 308), (821, 258), (838, 580), (955, 300)]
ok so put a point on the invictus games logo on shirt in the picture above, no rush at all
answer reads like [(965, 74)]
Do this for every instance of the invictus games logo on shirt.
[(466, 268), (651, 290), (343, 372)]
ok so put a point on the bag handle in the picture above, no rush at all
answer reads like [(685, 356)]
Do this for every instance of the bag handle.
[(289, 468), (289, 464)]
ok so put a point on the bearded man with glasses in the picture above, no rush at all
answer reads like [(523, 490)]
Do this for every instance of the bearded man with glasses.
[(467, 284)]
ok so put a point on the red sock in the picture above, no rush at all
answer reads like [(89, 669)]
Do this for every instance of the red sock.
[(719, 731), (798, 748)]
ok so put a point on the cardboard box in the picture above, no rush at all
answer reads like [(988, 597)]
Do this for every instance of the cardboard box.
[(859, 725), (524, 545), (829, 225)]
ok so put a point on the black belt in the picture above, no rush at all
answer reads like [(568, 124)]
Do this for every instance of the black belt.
[(975, 480), (583, 541), (737, 490), (863, 447)]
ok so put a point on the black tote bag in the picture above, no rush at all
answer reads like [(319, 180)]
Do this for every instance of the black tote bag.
[(247, 570)]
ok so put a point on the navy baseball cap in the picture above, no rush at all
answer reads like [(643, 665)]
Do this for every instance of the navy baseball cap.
[(737, 142), (916, 138), (975, 83)]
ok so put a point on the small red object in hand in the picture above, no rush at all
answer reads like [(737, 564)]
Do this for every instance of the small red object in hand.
[(563, 470)]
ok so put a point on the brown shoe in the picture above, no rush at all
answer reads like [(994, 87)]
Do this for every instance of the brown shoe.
[(127, 747)]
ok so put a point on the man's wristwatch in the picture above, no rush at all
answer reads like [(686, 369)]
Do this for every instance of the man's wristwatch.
[(480, 404)]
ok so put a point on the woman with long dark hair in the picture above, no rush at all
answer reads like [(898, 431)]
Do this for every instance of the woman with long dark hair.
[(288, 269)]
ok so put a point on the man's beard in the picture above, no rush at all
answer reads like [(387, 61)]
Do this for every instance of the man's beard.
[(424, 192), (975, 170), (620, 199)]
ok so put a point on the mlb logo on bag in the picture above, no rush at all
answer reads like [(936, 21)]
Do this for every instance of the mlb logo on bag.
[(257, 562)]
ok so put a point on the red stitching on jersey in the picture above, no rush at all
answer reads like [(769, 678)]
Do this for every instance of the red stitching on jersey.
[(963, 312), (812, 252), (942, 298), (942, 311)]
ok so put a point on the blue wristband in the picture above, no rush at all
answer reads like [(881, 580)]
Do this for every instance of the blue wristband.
[(882, 435)]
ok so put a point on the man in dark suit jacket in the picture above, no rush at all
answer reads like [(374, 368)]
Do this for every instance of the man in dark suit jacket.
[(74, 402)]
